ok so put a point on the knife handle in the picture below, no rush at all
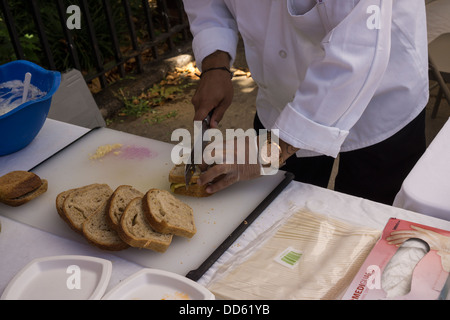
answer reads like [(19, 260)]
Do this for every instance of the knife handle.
[(208, 118)]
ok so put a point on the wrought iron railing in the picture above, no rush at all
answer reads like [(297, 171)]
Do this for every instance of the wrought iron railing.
[(168, 15)]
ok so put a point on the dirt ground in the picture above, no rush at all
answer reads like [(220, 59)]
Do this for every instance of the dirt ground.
[(159, 122), (157, 125)]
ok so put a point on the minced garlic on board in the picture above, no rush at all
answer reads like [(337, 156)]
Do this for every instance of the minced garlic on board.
[(104, 150)]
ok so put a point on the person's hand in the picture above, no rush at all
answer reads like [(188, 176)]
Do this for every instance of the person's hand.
[(231, 161), (435, 240), (215, 90)]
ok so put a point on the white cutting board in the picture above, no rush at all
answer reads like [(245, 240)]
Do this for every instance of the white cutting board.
[(216, 217)]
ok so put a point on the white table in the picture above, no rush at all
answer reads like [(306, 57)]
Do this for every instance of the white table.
[(427, 187), (20, 243), (54, 136)]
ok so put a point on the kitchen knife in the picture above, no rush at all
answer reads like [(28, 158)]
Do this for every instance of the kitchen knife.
[(199, 143)]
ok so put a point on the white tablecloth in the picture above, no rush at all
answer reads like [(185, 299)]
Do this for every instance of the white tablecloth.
[(427, 188), (54, 136), (20, 243)]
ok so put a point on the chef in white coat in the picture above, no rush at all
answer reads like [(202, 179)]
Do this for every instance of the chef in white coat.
[(335, 77)]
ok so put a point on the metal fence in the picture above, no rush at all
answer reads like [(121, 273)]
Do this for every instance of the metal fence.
[(159, 40)]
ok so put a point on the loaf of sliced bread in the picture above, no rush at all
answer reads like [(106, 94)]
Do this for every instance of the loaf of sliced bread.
[(80, 203), (118, 202), (167, 214), (15, 202), (137, 232), (16, 184), (97, 231), (116, 220)]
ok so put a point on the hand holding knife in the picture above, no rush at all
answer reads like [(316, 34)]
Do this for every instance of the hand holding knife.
[(191, 167)]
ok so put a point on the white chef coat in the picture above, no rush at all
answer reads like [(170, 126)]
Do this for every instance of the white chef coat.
[(333, 75)]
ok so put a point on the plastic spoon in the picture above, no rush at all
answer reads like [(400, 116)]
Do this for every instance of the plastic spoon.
[(26, 86)]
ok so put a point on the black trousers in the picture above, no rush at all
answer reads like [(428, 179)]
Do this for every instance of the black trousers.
[(375, 172)]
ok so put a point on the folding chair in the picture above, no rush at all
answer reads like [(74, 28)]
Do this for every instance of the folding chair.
[(438, 25), (439, 61), (73, 102)]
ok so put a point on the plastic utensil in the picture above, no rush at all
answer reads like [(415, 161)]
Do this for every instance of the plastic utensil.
[(26, 86)]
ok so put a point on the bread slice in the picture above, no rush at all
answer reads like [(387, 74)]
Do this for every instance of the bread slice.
[(178, 184), (16, 184), (118, 202), (15, 202), (137, 232), (97, 231), (167, 214), (60, 198), (82, 202)]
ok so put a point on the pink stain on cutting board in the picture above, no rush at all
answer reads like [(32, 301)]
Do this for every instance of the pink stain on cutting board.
[(135, 152)]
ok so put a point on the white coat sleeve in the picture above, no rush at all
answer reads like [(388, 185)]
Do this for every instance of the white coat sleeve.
[(339, 85), (213, 28)]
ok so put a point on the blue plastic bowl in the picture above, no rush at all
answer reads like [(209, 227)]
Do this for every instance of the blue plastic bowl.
[(21, 125)]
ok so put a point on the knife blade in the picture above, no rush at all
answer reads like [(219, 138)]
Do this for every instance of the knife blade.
[(191, 167)]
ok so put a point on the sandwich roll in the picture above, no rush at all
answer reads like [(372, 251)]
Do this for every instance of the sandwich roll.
[(178, 185)]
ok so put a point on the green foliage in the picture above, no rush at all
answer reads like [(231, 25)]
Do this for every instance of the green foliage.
[(155, 96), (83, 45), (159, 94), (30, 42), (158, 116)]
